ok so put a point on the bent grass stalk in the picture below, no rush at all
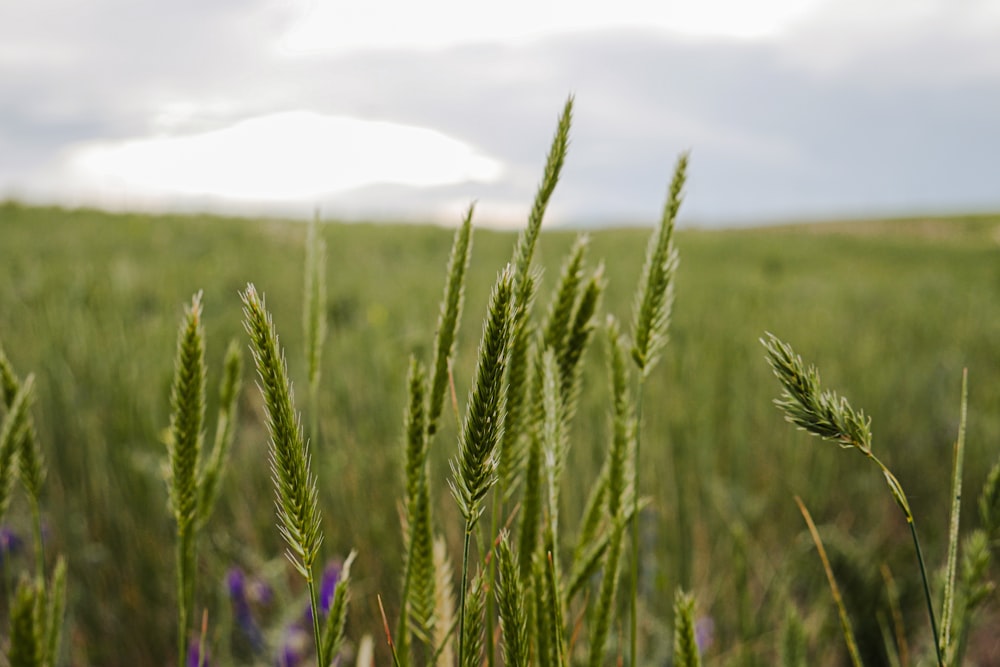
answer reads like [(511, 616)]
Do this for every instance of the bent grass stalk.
[(830, 417), (845, 621)]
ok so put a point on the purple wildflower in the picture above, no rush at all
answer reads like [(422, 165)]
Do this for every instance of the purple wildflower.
[(298, 643), (195, 658), (236, 582), (331, 575), (327, 589), (704, 633), (10, 543)]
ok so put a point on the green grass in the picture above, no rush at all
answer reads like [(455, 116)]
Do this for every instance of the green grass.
[(890, 310)]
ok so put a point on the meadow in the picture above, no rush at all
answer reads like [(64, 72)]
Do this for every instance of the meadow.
[(891, 311)]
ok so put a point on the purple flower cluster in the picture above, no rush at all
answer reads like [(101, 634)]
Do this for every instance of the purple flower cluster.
[(11, 543), (297, 644), (195, 658), (243, 614)]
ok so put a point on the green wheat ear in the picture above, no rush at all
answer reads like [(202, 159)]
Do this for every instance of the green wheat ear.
[(655, 296), (475, 469), (187, 399), (291, 469), (11, 433), (296, 497), (31, 458), (685, 646), (449, 317), (26, 640), (188, 415), (512, 605)]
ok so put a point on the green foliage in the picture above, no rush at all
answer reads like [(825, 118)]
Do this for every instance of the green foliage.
[(89, 302)]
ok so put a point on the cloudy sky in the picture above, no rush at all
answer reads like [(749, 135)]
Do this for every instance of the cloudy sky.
[(793, 109)]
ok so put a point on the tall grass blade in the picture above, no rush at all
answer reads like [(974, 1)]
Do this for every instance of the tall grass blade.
[(314, 316), (951, 569), (901, 645), (845, 622)]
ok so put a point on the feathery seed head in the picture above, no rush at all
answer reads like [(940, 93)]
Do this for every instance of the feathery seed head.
[(475, 469), (188, 415), (449, 317), (655, 296), (821, 413), (297, 499)]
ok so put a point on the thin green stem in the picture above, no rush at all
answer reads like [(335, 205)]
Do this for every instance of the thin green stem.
[(36, 517), (314, 602), (490, 572), (185, 588), (461, 594), (927, 591), (634, 591)]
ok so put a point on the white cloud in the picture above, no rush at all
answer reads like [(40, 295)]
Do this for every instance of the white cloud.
[(336, 26), (295, 155)]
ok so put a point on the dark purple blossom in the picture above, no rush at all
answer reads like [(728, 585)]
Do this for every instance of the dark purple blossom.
[(297, 646), (704, 633), (327, 589), (10, 543), (195, 658), (242, 613)]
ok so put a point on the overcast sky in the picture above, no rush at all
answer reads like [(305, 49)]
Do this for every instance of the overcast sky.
[(792, 109)]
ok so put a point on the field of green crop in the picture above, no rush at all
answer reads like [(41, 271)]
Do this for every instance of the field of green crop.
[(891, 312)]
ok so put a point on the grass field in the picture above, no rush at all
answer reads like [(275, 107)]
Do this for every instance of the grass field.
[(891, 311)]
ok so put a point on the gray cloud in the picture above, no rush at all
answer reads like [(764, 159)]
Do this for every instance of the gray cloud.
[(835, 118)]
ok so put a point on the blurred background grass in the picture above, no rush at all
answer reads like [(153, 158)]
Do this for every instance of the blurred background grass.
[(891, 311)]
